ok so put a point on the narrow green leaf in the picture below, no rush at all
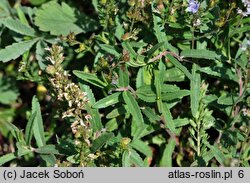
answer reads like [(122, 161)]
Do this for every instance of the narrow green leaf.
[(227, 99), (15, 50), (223, 72), (151, 114), (146, 93), (38, 129), (123, 80), (174, 75), (136, 159), (50, 159), (179, 66), (154, 48), (203, 54), (218, 154), (143, 77), (10, 156), (168, 118), (195, 91), (159, 31), (142, 147), (100, 141), (166, 160), (6, 158), (17, 26), (117, 112), (175, 95), (206, 157), (95, 121), (90, 78), (133, 108), (108, 101), (181, 122), (110, 49), (29, 128), (167, 88), (47, 149), (131, 158), (111, 125), (158, 81), (126, 158)]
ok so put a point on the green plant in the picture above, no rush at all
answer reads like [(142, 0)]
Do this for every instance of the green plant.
[(141, 83)]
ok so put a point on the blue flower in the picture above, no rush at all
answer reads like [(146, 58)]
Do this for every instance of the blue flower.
[(193, 6)]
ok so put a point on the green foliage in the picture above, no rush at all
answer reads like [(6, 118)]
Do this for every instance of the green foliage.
[(140, 83)]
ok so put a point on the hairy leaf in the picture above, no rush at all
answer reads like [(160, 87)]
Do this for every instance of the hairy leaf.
[(15, 50), (167, 159), (57, 19), (19, 27), (203, 54), (100, 141), (108, 101), (133, 108)]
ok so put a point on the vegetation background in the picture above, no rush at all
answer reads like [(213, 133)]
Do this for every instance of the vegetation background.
[(124, 83)]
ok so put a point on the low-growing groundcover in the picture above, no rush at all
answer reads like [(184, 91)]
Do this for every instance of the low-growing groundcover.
[(124, 83)]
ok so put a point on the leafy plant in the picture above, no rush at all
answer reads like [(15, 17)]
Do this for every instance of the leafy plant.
[(124, 83)]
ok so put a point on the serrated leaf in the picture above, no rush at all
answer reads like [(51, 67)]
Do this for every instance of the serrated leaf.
[(95, 120), (226, 99), (218, 154), (175, 95), (110, 49), (151, 114), (143, 77), (131, 158), (29, 128), (166, 160), (47, 149), (19, 27), (206, 157), (160, 34), (179, 66), (195, 91), (38, 129), (174, 75), (57, 19), (123, 80), (167, 88), (142, 147), (168, 118), (89, 92), (108, 101), (154, 48), (41, 54), (117, 112), (133, 108), (203, 54), (15, 50), (91, 78), (146, 93), (37, 2), (222, 72), (100, 141), (181, 122)]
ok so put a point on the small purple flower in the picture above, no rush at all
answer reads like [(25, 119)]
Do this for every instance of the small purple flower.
[(193, 6)]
